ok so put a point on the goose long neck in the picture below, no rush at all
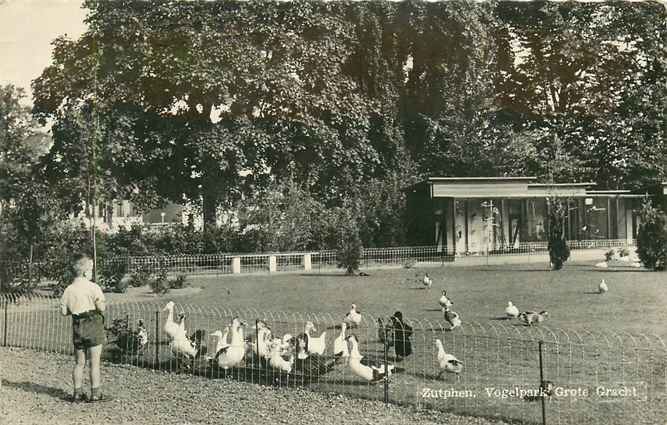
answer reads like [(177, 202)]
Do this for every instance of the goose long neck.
[(354, 351), (170, 314)]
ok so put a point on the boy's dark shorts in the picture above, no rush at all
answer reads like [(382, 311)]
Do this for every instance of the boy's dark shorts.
[(88, 330)]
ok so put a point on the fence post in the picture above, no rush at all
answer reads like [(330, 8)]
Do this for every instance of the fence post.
[(236, 265), (542, 395), (272, 264), (307, 262), (386, 365), (157, 339), (4, 332)]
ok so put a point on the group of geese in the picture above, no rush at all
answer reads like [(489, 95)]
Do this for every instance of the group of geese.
[(304, 353)]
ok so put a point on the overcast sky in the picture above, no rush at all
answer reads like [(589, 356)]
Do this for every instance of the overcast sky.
[(27, 28)]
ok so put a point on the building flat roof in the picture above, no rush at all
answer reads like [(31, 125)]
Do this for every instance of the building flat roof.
[(478, 179)]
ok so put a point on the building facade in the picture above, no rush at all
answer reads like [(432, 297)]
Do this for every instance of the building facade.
[(496, 214)]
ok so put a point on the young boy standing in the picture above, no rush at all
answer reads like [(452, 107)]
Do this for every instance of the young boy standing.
[(84, 301)]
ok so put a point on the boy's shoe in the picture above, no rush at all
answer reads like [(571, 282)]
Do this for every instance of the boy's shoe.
[(99, 397), (78, 398)]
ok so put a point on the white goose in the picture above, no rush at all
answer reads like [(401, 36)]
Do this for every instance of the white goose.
[(364, 368), (183, 347), (511, 310), (602, 287), (222, 341), (353, 318), (427, 281), (232, 355), (261, 347), (314, 345), (452, 318), (171, 328), (444, 301), (276, 360), (447, 362), (340, 348)]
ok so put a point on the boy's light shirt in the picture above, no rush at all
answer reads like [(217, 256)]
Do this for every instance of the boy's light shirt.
[(81, 296)]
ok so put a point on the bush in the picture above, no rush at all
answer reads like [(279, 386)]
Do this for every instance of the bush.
[(180, 282), (140, 277), (159, 283), (652, 237), (609, 255), (348, 246)]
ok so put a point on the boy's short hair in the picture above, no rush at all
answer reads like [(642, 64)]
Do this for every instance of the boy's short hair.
[(81, 264)]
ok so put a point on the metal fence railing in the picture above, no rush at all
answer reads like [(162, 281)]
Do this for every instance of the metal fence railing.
[(510, 372), (316, 261)]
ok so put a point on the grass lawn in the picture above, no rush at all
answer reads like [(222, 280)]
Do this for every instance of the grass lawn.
[(635, 303), (592, 340)]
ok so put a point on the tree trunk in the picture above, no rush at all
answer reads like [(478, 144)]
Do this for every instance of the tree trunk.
[(209, 209)]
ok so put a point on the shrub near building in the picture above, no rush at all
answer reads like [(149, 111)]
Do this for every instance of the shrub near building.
[(652, 237)]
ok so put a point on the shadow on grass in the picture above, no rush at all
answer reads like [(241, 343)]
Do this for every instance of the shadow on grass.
[(591, 293), (628, 270), (503, 318), (35, 388)]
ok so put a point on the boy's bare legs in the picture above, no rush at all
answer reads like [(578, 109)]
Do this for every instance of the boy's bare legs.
[(95, 376), (77, 373)]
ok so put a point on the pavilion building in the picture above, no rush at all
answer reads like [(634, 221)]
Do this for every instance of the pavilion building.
[(474, 215)]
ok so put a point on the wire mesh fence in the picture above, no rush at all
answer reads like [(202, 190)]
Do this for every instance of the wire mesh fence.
[(501, 369)]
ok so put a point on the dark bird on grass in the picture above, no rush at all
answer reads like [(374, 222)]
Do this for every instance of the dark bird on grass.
[(402, 333), (530, 317)]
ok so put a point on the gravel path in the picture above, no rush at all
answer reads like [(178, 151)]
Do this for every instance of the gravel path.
[(34, 385)]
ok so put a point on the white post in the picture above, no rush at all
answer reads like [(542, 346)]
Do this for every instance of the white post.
[(307, 265), (272, 264), (236, 265)]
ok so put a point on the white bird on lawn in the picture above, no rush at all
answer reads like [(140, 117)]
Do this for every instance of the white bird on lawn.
[(222, 341), (171, 328), (602, 287), (447, 362), (353, 318), (314, 345), (276, 360), (444, 301), (261, 347), (511, 310), (232, 354), (364, 368), (340, 348), (452, 318), (427, 281)]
